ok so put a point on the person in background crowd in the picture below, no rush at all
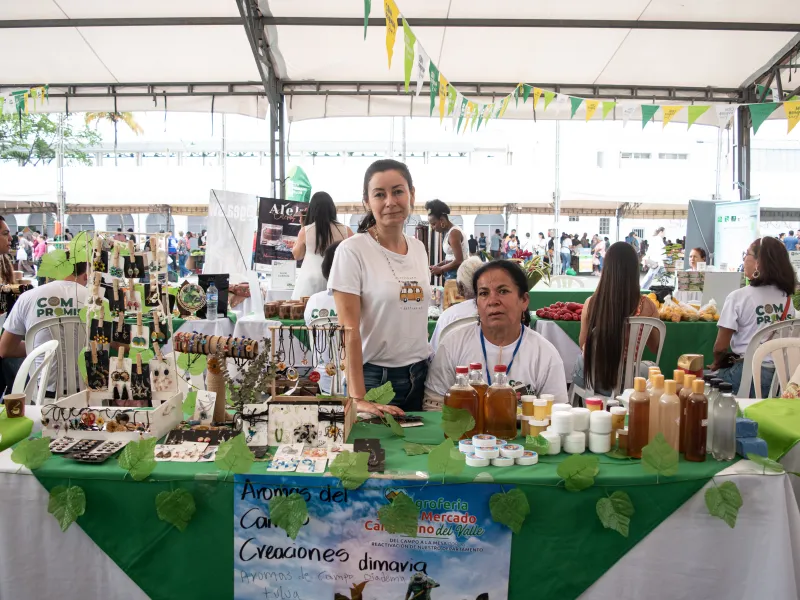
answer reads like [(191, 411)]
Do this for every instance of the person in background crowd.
[(504, 248), (463, 309), (482, 243), (320, 229), (38, 252), (201, 241), (67, 235), (131, 237), (541, 245), (655, 249), (526, 243), (566, 253), (119, 236), (501, 336), (24, 255), (380, 283), (695, 256), (585, 240), (767, 300), (513, 245), (607, 242), (791, 242), (6, 265), (781, 236), (496, 244), (172, 250), (473, 245), (454, 242), (598, 254)]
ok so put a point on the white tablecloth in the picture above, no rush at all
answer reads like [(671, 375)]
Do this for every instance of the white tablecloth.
[(569, 351), (275, 295)]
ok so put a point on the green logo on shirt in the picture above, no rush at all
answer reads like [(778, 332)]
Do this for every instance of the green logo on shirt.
[(56, 307), (769, 313), (322, 312)]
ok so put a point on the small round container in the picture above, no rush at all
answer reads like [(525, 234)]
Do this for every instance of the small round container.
[(484, 440), (575, 443), (562, 422), (555, 442), (537, 427), (599, 443), (500, 443), (550, 399), (523, 426), (466, 446), (503, 462), (512, 451), (528, 458), (622, 439), (594, 404), (580, 419), (618, 417), (476, 461), (490, 453), (527, 405), (540, 410), (611, 404), (560, 407), (600, 422)]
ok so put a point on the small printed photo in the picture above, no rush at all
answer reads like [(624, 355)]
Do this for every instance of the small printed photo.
[(271, 234)]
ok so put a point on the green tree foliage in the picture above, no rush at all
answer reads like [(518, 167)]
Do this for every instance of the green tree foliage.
[(32, 139)]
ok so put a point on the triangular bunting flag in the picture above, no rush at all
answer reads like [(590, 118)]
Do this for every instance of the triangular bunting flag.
[(591, 107), (503, 106), (410, 41), (434, 83), (537, 93), (668, 113), (607, 108), (442, 95), (627, 114), (695, 112), (452, 93), (725, 113), (489, 113), (575, 105), (367, 9), (456, 107), (470, 114), (391, 10), (477, 116), (422, 66), (792, 110), (461, 111), (760, 112), (760, 90), (481, 112), (548, 98), (526, 91), (516, 93), (648, 112)]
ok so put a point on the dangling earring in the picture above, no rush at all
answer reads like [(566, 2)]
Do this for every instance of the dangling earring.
[(116, 393), (756, 274), (125, 392)]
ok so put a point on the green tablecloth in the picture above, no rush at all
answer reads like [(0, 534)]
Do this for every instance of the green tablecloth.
[(778, 424), (561, 550), (540, 298), (13, 430)]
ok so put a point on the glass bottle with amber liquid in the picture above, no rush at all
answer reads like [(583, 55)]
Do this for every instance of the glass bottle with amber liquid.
[(478, 383), (500, 415), (684, 394), (461, 395), (638, 418), (696, 423)]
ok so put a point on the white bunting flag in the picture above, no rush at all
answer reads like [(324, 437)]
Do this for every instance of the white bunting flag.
[(627, 113), (457, 109), (422, 66), (725, 113)]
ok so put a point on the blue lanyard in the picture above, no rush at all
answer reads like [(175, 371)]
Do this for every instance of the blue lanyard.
[(513, 356)]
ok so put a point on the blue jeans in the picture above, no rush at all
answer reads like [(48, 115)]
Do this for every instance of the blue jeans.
[(408, 383), (450, 274), (182, 258), (565, 262), (733, 375)]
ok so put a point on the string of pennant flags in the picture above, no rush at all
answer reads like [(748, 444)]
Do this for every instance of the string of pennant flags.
[(466, 114), (26, 101)]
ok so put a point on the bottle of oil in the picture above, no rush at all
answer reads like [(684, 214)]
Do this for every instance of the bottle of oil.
[(462, 395), (500, 417), (650, 373), (655, 395), (678, 376), (688, 380), (724, 410), (638, 418), (478, 383), (669, 415), (696, 423)]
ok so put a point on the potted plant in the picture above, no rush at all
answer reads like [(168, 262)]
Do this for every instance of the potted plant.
[(665, 274)]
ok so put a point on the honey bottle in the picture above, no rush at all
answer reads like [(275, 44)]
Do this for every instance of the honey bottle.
[(696, 423), (478, 383), (686, 391), (638, 418), (462, 395), (501, 407)]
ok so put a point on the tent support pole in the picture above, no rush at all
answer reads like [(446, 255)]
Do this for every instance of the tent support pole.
[(62, 198), (556, 261), (743, 152), (277, 151)]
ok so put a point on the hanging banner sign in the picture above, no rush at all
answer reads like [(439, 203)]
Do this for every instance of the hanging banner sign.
[(229, 244), (279, 223)]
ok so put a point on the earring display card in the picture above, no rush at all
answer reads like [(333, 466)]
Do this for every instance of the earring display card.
[(114, 306), (100, 262), (134, 266), (295, 423), (256, 430), (133, 300), (140, 338), (152, 295), (116, 266), (286, 459), (163, 375), (310, 465), (183, 452), (100, 331), (331, 424), (140, 385), (97, 373), (121, 336), (204, 407)]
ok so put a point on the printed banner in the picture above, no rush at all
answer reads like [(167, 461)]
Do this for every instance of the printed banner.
[(504, 106), (463, 111), (575, 104), (442, 96), (229, 248), (548, 98), (278, 227), (343, 551), (695, 112), (669, 112), (422, 66), (537, 93), (410, 41), (391, 10)]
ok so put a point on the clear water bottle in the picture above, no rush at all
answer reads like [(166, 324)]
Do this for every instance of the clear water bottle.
[(724, 444), (212, 299), (712, 402)]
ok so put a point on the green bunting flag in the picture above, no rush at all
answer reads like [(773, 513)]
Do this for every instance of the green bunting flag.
[(548, 98), (648, 112), (760, 90), (434, 73), (451, 98), (576, 104), (367, 9), (695, 112), (461, 112), (760, 112), (410, 40), (607, 108), (516, 94), (526, 91)]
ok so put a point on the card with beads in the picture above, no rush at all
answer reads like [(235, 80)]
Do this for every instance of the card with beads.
[(100, 331), (140, 335), (140, 385), (134, 266), (117, 304), (97, 372), (163, 376), (119, 379)]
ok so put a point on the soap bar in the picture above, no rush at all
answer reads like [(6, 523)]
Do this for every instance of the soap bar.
[(746, 428), (751, 445)]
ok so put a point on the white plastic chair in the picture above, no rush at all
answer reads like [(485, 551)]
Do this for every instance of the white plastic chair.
[(786, 356), (639, 332), (457, 324), (565, 282), (70, 333), (35, 387), (782, 329)]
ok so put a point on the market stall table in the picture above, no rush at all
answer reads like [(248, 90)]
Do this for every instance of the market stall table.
[(119, 548), (542, 296)]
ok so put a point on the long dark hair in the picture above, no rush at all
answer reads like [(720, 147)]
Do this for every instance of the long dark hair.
[(774, 266), (517, 276), (380, 166), (617, 297), (322, 213)]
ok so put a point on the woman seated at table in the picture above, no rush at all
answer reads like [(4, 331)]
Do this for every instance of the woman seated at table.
[(695, 256), (604, 333), (767, 300), (501, 337), (467, 308), (454, 242), (379, 281)]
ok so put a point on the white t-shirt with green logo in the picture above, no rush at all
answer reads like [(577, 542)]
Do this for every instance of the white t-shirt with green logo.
[(749, 309)]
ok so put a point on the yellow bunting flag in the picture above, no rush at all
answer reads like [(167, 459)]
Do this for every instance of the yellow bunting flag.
[(669, 112), (792, 110), (442, 95), (537, 93), (591, 106), (470, 113), (504, 106), (391, 10)]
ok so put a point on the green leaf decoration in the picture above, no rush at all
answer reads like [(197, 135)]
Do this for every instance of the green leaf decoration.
[(724, 501), (138, 458), (394, 425), (578, 472), (538, 444), (234, 456), (381, 395), (147, 355), (176, 508), (351, 469), (55, 265), (659, 457), (289, 513), (445, 459), (510, 509), (456, 422), (413, 449), (32, 453), (80, 247), (66, 504), (82, 365), (195, 363), (190, 402), (401, 516), (769, 465), (615, 512)]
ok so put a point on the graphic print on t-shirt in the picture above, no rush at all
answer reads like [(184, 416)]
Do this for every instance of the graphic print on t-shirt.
[(410, 291), (56, 307), (770, 313)]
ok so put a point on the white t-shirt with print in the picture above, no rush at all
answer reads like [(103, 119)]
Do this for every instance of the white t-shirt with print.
[(395, 295), (536, 365), (751, 308)]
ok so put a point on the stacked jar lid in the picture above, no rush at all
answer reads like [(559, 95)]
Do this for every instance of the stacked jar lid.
[(483, 450)]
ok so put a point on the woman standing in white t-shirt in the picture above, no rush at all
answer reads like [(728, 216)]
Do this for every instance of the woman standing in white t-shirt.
[(380, 285), (320, 231), (767, 300), (454, 242)]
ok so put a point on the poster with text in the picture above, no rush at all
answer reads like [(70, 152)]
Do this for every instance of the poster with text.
[(736, 227), (279, 223), (343, 552)]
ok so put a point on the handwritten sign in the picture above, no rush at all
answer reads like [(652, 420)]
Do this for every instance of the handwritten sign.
[(458, 549)]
